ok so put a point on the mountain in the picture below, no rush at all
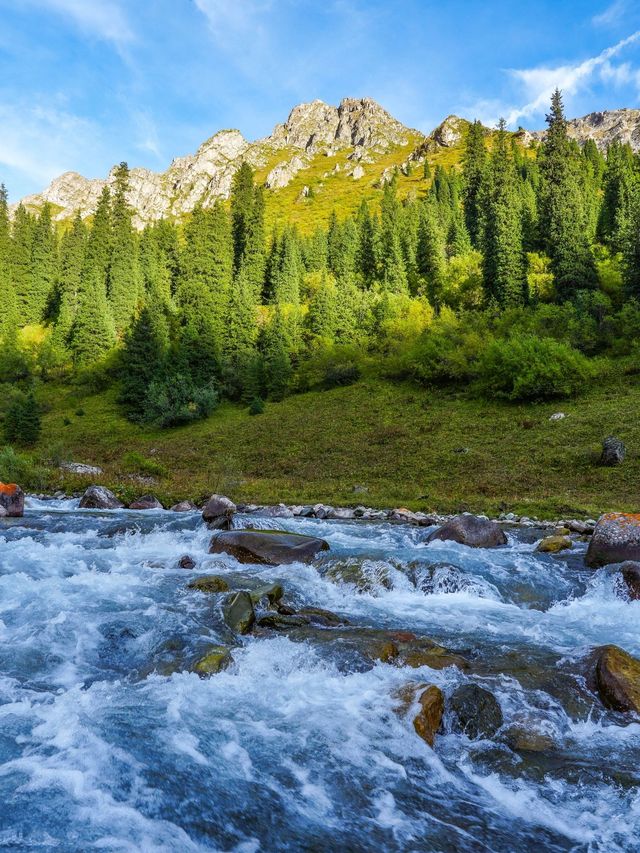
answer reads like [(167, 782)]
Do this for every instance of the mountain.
[(323, 156)]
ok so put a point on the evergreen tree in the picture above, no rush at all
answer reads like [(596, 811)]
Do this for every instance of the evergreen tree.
[(8, 303), (20, 267), (242, 201), (619, 188), (503, 263), (367, 261), (631, 255), (288, 270), (144, 358), (394, 275), (321, 317), (199, 340), (42, 277), (473, 171), (430, 257), (561, 209), (22, 421), (239, 344), (98, 254), (124, 281), (277, 362), (72, 262), (93, 331)]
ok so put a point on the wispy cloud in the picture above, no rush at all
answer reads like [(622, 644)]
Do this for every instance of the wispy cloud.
[(613, 14), (237, 17), (104, 19), (539, 83)]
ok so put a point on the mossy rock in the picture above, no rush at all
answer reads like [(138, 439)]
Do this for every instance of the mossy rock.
[(554, 544), (273, 593), (216, 659), (238, 612), (209, 583), (618, 679)]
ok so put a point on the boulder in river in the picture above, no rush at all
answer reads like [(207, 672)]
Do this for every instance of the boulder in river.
[(238, 612), (617, 677), (613, 452), (216, 659), (365, 574), (186, 562), (616, 539), (272, 593), (630, 572), (11, 500), (428, 720), (470, 530), (146, 502), (218, 512), (554, 544), (184, 506), (267, 547), (475, 711), (98, 497), (209, 583)]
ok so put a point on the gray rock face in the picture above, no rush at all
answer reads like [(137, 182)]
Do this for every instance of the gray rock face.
[(613, 451), (472, 531), (97, 497), (603, 127), (267, 547), (11, 500), (218, 512), (616, 539), (81, 469), (475, 711)]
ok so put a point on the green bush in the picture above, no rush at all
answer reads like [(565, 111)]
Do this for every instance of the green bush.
[(177, 401), (531, 368), (331, 367), (22, 421), (136, 463), (447, 353), (20, 468), (256, 406)]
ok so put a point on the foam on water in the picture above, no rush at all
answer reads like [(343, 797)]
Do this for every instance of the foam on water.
[(289, 749)]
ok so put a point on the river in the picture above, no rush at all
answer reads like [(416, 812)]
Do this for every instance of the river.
[(298, 746)]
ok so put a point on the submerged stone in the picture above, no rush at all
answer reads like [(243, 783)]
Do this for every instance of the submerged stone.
[(209, 583), (267, 547), (273, 594), (475, 711), (216, 659)]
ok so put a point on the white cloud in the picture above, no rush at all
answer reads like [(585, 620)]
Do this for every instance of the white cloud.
[(611, 15), (102, 18), (539, 83), (239, 16), (42, 141)]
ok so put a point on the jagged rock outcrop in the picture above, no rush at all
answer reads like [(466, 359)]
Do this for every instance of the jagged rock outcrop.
[(603, 127)]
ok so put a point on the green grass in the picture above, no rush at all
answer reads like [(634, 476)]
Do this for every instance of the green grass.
[(399, 441)]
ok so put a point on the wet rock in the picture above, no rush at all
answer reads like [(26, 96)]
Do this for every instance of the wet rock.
[(186, 562), (267, 547), (581, 527), (366, 575), (404, 516), (279, 511), (272, 593), (3, 512), (613, 452), (238, 612), (184, 506), (146, 502), (216, 659), (322, 511), (307, 616), (441, 579), (209, 583), (520, 737), (218, 512), (319, 616), (427, 653), (554, 544), (470, 530), (631, 576), (475, 711), (11, 500), (616, 539), (342, 514), (428, 720), (98, 497), (617, 677)]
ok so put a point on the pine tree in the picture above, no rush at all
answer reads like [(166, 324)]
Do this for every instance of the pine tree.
[(503, 263), (277, 362), (199, 340), (20, 266), (124, 281), (394, 275), (288, 270), (631, 255), (155, 271), (144, 358), (93, 331), (239, 343), (22, 421), (430, 256), (98, 254), (321, 317), (367, 260), (561, 209), (619, 186), (72, 261), (242, 201), (42, 277), (8, 303), (473, 171)]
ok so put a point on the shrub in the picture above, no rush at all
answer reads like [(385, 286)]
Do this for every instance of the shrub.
[(256, 406), (530, 368), (20, 468), (177, 401), (331, 367), (341, 375), (448, 352)]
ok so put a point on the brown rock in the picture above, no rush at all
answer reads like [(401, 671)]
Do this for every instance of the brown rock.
[(184, 506), (186, 562), (146, 502), (617, 676), (12, 500), (209, 583), (267, 547), (631, 576), (616, 539), (218, 512), (97, 497), (427, 722), (554, 544), (472, 531)]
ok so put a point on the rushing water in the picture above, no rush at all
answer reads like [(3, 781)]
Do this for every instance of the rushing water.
[(103, 746)]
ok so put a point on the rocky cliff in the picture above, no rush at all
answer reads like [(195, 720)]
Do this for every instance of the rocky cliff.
[(366, 142)]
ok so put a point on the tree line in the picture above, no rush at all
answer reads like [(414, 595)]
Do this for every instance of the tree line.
[(181, 315)]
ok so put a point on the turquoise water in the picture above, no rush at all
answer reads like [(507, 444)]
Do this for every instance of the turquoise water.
[(298, 747)]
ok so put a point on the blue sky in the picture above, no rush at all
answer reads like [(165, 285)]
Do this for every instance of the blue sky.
[(87, 83)]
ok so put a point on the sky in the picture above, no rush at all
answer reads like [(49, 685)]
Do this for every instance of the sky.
[(85, 84)]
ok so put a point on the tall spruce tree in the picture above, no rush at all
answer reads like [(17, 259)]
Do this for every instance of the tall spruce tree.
[(42, 278), (503, 263), (124, 281), (8, 303), (367, 261), (277, 361), (561, 209), (473, 172), (72, 262), (430, 256), (631, 254), (20, 265), (93, 331), (146, 348), (394, 274)]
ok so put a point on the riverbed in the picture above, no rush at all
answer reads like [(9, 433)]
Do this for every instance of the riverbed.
[(108, 742)]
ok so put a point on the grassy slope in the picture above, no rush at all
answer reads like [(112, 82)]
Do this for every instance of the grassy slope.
[(398, 441)]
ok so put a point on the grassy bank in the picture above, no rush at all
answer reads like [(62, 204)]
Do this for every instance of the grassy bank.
[(406, 446)]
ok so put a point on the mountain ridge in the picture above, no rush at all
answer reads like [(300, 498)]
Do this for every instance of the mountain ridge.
[(357, 127)]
